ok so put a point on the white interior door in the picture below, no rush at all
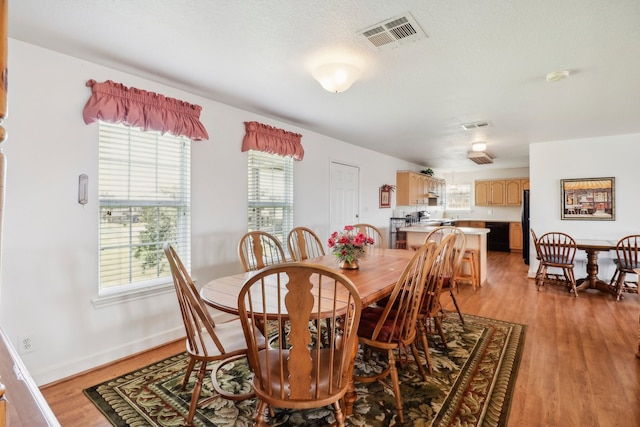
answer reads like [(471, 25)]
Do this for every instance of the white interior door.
[(345, 195)]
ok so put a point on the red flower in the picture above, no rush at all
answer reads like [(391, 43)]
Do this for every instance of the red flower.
[(348, 245)]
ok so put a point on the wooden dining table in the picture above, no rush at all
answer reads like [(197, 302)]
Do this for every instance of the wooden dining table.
[(374, 279), (592, 248)]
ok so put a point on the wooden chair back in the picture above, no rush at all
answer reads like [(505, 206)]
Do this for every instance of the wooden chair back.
[(303, 244), (298, 370), (535, 243), (257, 249), (430, 308), (557, 249), (445, 257), (457, 248), (206, 341), (627, 260), (628, 254), (198, 323), (397, 322), (392, 328), (373, 232)]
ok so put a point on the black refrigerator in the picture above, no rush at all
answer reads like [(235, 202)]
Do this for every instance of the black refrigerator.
[(525, 226)]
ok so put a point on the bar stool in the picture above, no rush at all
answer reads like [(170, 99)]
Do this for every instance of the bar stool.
[(401, 240), (468, 264)]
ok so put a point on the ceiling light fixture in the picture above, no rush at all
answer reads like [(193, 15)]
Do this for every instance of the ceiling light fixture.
[(336, 77), (556, 76), (479, 146)]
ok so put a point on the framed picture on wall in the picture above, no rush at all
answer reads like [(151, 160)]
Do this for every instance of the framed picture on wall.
[(590, 199), (385, 198)]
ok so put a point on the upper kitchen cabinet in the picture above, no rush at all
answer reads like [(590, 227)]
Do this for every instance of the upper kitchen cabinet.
[(490, 192), (514, 189), (418, 189), (500, 192)]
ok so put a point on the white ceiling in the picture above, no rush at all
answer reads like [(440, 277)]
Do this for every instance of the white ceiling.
[(483, 60)]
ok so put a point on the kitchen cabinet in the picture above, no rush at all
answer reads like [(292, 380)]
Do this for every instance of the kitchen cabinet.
[(515, 236), (414, 188), (500, 192), (513, 192), (514, 189), (490, 192), (470, 224)]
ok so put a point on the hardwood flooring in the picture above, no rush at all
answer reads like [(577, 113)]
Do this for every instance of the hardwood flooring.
[(578, 368)]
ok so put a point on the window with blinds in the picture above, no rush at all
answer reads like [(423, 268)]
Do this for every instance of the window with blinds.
[(458, 197), (144, 186), (270, 194)]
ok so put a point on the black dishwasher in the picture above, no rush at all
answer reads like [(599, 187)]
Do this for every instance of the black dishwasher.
[(498, 236)]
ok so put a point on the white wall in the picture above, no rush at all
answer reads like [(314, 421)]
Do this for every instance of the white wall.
[(49, 255), (611, 156)]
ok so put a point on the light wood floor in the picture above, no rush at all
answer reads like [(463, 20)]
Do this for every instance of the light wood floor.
[(578, 369)]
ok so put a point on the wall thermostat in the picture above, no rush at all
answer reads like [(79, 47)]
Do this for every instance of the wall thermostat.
[(83, 189)]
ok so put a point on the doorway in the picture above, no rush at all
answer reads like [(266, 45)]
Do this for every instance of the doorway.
[(344, 201)]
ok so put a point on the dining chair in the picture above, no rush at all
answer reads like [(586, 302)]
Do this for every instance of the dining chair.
[(452, 275), (297, 371), (627, 259), (430, 312), (557, 250), (258, 249), (373, 232), (392, 329), (206, 341), (303, 244)]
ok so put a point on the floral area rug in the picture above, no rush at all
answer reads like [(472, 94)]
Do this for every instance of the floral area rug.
[(471, 385)]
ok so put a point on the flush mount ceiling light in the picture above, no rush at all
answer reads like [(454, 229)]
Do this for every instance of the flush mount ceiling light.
[(336, 77), (556, 76), (479, 146)]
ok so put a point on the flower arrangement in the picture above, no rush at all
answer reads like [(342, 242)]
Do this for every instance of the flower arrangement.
[(388, 187), (349, 245)]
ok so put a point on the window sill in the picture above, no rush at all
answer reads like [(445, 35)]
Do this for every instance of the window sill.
[(132, 295)]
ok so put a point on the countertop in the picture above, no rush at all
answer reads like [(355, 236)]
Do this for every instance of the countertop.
[(426, 229)]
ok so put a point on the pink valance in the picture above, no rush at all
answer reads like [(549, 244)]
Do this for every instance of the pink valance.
[(272, 140), (116, 103)]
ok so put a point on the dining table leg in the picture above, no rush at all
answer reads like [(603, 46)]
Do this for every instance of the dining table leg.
[(592, 281)]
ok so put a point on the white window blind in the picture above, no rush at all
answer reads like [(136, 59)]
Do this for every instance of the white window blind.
[(145, 198), (270, 194), (458, 197)]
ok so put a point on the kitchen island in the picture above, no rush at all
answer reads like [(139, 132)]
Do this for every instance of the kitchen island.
[(476, 239)]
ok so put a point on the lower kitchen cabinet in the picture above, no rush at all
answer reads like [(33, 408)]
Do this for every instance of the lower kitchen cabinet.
[(515, 236)]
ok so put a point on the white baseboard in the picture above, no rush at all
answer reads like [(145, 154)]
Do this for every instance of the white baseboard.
[(51, 373)]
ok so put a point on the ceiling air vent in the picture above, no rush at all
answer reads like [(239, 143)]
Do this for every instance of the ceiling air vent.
[(479, 157), (475, 125), (393, 32)]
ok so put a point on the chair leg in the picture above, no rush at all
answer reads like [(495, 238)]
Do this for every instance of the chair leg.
[(542, 272), (568, 272), (187, 374), (416, 357), (622, 275), (393, 372), (455, 303), (425, 344), (438, 323), (337, 409), (614, 278), (195, 395), (259, 419)]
